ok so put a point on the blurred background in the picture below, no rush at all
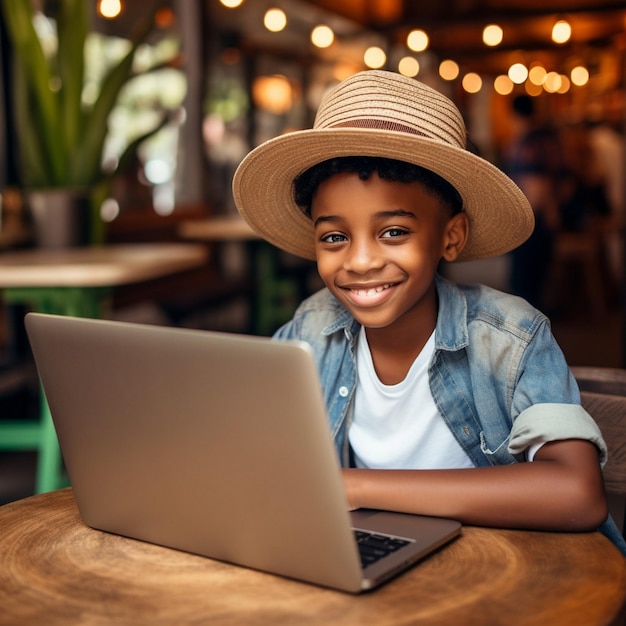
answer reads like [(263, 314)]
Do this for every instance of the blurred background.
[(168, 96)]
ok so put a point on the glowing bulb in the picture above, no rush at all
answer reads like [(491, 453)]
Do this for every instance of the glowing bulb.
[(579, 76), (472, 83), (561, 32), (492, 35), (109, 8), (503, 85), (448, 69), (374, 57), (518, 73), (553, 82), (537, 74), (322, 36), (408, 66), (417, 40), (275, 20)]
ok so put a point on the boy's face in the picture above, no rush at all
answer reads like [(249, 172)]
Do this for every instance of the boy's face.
[(378, 245)]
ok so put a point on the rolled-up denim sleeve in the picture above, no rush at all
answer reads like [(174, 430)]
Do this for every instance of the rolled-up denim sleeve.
[(542, 423), (546, 402)]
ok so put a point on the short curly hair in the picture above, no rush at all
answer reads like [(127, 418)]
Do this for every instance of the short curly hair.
[(306, 184)]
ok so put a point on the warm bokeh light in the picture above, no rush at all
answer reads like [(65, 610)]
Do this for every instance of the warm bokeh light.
[(565, 84), (518, 73), (109, 9), (409, 66), (272, 93), (374, 57), (448, 69), (472, 83), (553, 82), (417, 40), (275, 20), (532, 89), (561, 32), (492, 35), (232, 4), (322, 36), (537, 74), (579, 76), (503, 85)]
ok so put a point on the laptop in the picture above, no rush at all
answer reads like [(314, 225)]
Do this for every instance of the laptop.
[(216, 444)]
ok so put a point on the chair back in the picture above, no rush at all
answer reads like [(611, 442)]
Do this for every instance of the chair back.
[(603, 395)]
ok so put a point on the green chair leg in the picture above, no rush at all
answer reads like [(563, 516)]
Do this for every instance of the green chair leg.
[(50, 474)]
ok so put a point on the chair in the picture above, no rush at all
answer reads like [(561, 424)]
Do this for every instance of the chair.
[(34, 434), (603, 395)]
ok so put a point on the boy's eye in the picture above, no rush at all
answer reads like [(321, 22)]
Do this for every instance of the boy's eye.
[(395, 232), (333, 238)]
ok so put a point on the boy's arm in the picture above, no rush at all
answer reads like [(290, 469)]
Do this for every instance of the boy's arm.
[(561, 489)]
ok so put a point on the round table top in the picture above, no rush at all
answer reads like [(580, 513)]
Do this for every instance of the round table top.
[(219, 228), (55, 570), (97, 266)]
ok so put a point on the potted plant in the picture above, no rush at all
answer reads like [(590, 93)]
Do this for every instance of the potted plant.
[(60, 141)]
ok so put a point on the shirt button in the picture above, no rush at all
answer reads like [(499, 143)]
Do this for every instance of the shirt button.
[(343, 391)]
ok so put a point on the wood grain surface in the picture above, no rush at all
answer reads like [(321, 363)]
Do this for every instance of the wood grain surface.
[(55, 570)]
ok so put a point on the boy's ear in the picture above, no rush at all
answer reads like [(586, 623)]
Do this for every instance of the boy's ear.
[(455, 236)]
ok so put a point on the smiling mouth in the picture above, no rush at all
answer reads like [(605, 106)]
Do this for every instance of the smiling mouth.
[(364, 293)]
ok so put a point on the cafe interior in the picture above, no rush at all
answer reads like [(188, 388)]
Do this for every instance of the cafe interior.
[(213, 78), (129, 215)]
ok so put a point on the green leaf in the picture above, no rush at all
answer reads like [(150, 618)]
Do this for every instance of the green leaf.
[(60, 143), (72, 29), (45, 108), (87, 159)]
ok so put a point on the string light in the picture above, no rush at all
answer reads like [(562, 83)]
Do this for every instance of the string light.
[(492, 35), (503, 85), (579, 76), (275, 20), (232, 4), (561, 31), (374, 57), (417, 40), (322, 36), (518, 73), (472, 82), (553, 82), (109, 8), (537, 74), (409, 66), (448, 69)]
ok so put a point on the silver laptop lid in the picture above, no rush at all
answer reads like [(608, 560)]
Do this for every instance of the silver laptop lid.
[(212, 443)]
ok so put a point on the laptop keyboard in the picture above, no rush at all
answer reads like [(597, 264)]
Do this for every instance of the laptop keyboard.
[(373, 547)]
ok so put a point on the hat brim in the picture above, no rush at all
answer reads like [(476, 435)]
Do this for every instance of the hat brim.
[(499, 214)]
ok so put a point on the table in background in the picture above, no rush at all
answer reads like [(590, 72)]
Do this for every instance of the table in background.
[(55, 570), (274, 296), (76, 281)]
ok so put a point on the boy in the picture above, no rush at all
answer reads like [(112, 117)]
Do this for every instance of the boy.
[(443, 400)]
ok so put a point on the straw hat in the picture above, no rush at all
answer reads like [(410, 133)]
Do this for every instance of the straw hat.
[(384, 114)]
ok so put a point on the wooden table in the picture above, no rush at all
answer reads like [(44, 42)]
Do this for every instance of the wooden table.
[(274, 297), (77, 282), (73, 281), (55, 570)]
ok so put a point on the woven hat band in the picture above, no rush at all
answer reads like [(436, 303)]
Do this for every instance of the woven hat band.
[(373, 101), (375, 124)]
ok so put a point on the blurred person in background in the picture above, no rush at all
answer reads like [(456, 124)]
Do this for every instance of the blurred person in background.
[(535, 161)]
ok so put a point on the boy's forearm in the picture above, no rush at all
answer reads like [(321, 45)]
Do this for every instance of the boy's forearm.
[(561, 489)]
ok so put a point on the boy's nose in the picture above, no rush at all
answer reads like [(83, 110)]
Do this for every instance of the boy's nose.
[(362, 257)]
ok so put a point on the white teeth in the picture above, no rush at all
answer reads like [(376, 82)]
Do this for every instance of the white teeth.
[(373, 291)]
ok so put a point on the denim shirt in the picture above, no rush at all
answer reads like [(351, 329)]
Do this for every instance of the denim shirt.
[(497, 376)]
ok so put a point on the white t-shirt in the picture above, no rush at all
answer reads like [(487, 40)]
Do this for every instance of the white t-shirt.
[(399, 426)]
